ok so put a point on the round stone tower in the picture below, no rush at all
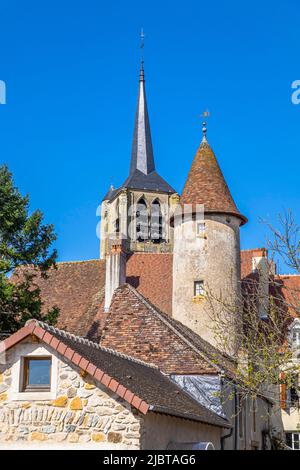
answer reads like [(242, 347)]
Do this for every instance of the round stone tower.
[(206, 264)]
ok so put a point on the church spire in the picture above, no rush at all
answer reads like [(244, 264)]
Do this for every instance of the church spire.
[(142, 158)]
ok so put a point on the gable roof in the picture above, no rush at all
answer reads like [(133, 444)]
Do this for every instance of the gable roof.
[(76, 288), (206, 185), (140, 384), (136, 327)]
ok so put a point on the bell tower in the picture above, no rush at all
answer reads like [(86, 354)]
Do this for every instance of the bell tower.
[(140, 209)]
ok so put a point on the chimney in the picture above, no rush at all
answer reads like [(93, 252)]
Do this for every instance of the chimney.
[(115, 270), (261, 266)]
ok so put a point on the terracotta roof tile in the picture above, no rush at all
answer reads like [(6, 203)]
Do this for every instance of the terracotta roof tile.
[(77, 289), (206, 184), (137, 328), (151, 274), (147, 389)]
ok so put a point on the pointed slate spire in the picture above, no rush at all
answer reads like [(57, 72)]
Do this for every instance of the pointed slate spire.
[(142, 152)]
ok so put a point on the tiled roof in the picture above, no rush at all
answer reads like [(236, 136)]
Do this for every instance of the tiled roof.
[(287, 287), (77, 288), (138, 383), (152, 275), (206, 185), (135, 327), (246, 260)]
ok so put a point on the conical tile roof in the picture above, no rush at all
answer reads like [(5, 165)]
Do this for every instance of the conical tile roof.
[(206, 185)]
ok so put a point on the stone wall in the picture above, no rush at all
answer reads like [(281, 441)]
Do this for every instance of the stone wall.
[(213, 258), (83, 411), (125, 205)]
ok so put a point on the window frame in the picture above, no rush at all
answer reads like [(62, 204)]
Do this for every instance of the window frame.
[(25, 387), (199, 282), (200, 232), (292, 439), (31, 349)]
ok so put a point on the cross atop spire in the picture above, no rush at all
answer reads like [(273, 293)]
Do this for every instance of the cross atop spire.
[(142, 75), (142, 158), (142, 167)]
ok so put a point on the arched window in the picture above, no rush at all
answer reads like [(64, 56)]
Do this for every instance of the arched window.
[(142, 221), (117, 218), (156, 222)]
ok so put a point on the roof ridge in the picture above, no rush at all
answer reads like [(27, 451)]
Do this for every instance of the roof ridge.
[(163, 317), (80, 339), (254, 249), (287, 275), (79, 261)]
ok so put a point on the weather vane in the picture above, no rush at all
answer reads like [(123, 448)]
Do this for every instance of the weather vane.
[(142, 46), (205, 115)]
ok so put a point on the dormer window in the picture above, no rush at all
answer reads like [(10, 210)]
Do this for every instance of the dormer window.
[(36, 374)]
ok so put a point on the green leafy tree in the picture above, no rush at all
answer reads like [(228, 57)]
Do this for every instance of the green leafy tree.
[(25, 252)]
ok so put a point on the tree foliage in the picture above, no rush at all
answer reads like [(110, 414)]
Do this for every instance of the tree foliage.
[(25, 252), (260, 321)]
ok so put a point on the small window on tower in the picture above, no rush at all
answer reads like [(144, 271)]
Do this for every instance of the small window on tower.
[(199, 289), (201, 228)]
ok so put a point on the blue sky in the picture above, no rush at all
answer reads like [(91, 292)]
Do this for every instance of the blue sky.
[(71, 70)]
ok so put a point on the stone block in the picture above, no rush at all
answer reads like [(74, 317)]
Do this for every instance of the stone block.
[(65, 384), (59, 436), (114, 437), (38, 436), (3, 387), (26, 405), (63, 376), (99, 437), (83, 393), (73, 437), (61, 401), (71, 392), (89, 386), (76, 404), (49, 429), (3, 397), (70, 428)]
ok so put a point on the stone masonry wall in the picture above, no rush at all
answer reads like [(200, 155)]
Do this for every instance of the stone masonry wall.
[(82, 412)]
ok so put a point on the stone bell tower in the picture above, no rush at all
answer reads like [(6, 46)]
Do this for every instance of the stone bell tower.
[(206, 264), (135, 217), (139, 210)]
